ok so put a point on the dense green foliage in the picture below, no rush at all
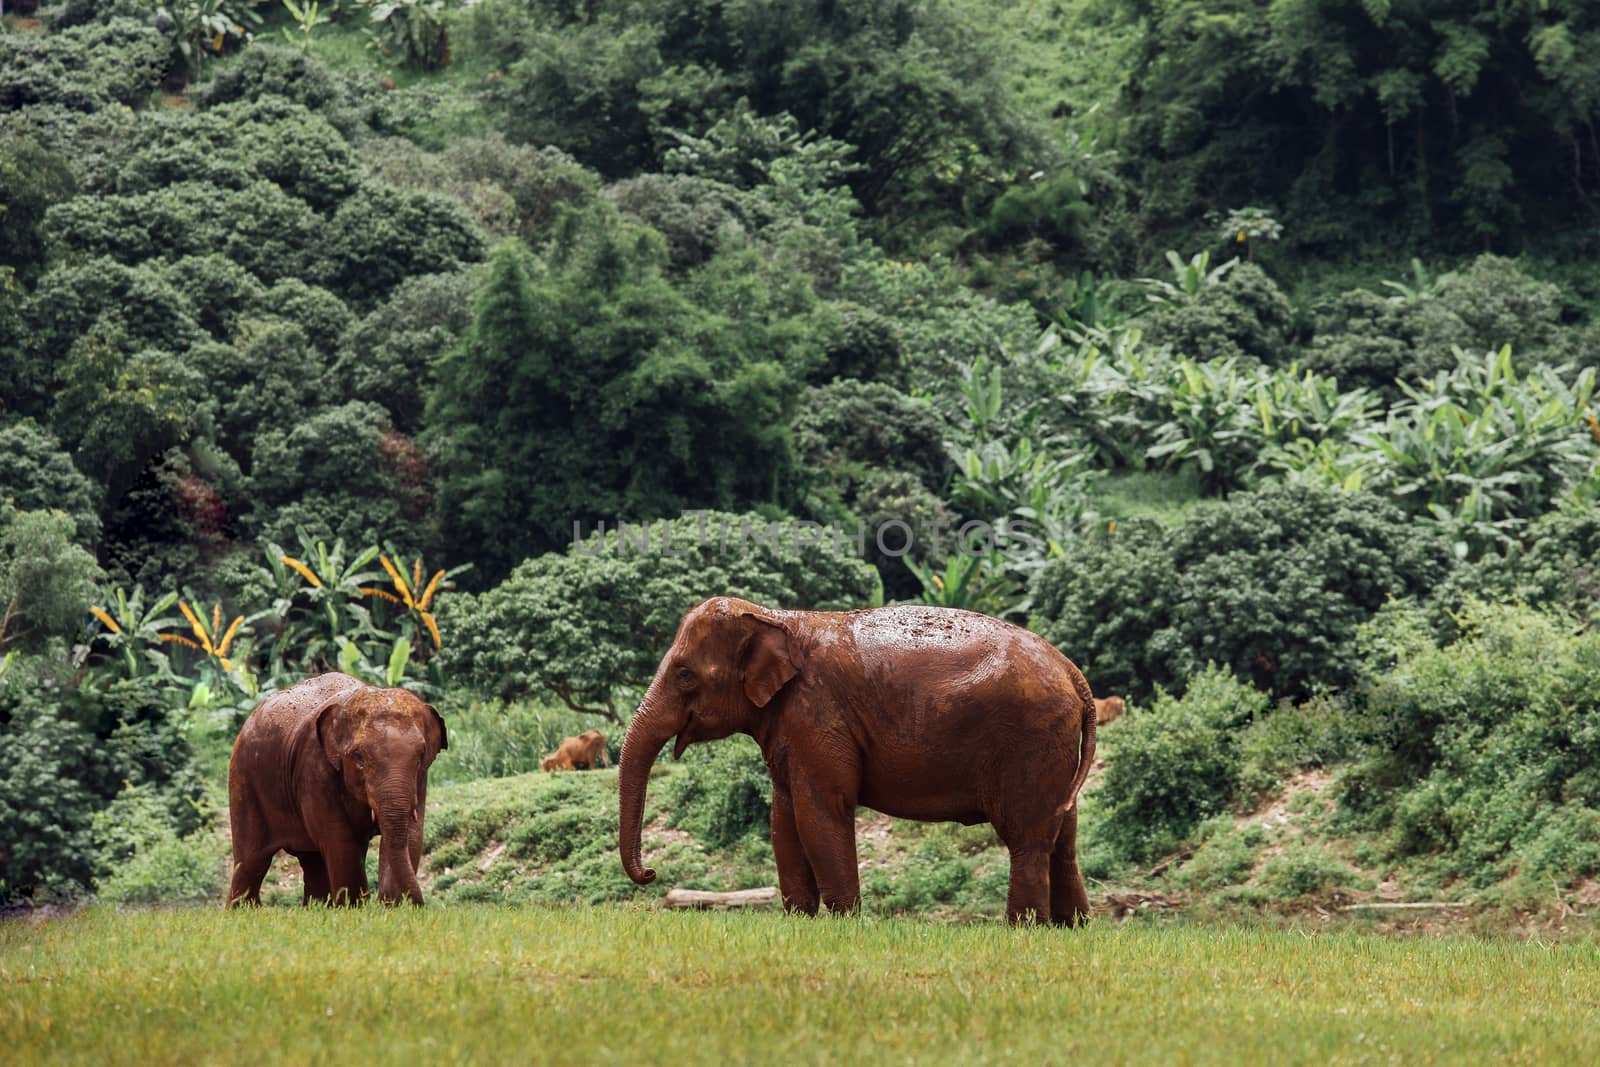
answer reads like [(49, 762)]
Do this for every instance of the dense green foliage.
[(1451, 123), (1272, 585)]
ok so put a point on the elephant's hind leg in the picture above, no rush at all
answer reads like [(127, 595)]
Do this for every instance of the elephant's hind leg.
[(314, 872), (1069, 901)]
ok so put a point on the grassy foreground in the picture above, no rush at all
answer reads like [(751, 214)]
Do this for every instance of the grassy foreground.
[(617, 984)]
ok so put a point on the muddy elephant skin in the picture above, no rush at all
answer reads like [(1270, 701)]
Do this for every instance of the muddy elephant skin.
[(320, 768), (588, 749), (917, 712)]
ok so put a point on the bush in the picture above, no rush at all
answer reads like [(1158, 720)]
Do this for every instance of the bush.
[(1554, 564), (267, 70), (1307, 870), (46, 579), (1225, 857), (1271, 583), (381, 236), (934, 872), (84, 68), (142, 857), (1482, 755), (1171, 766), (1318, 733), (1243, 315), (1413, 331), (725, 795), (69, 751)]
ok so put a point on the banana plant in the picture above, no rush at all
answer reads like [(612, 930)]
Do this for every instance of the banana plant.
[(330, 585), (415, 599), (131, 629), (306, 20), (1190, 278), (972, 583), (1211, 412)]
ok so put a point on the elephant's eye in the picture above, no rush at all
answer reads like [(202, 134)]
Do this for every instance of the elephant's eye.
[(361, 761), (685, 678)]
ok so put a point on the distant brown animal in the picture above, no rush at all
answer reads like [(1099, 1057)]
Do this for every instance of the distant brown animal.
[(587, 749), (1108, 709)]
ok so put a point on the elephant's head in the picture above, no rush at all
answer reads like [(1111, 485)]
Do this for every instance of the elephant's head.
[(382, 742), (729, 660)]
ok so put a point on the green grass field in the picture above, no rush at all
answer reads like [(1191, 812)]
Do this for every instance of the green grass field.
[(627, 984)]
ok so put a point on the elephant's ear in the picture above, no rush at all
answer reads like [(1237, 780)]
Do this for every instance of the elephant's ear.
[(336, 729), (766, 662), (438, 740)]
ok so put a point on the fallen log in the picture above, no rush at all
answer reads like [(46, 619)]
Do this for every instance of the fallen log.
[(700, 899), (1386, 906)]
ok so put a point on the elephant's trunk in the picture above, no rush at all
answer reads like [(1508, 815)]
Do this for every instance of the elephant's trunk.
[(397, 813), (650, 729)]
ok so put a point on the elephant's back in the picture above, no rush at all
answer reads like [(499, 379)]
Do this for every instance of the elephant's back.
[(280, 712), (949, 638)]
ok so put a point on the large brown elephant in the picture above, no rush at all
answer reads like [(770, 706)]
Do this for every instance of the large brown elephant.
[(320, 768), (917, 712)]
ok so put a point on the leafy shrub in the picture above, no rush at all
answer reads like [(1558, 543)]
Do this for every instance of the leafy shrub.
[(725, 794), (1481, 755), (1307, 870), (934, 872), (268, 70), (143, 859), (591, 385), (1413, 331), (1551, 565), (1320, 732), (1244, 314), (69, 751), (511, 190), (695, 215), (45, 578), (32, 177), (851, 433), (1271, 583), (233, 145), (380, 236), (326, 473), (1225, 857), (84, 68), (1172, 765), (386, 356)]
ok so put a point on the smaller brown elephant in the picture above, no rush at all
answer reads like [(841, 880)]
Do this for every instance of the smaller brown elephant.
[(1108, 709), (588, 749), (321, 768)]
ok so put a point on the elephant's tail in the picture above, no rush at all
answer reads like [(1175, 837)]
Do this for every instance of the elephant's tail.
[(1088, 725)]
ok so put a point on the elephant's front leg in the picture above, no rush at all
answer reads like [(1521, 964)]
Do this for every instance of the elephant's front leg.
[(825, 816), (796, 881)]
